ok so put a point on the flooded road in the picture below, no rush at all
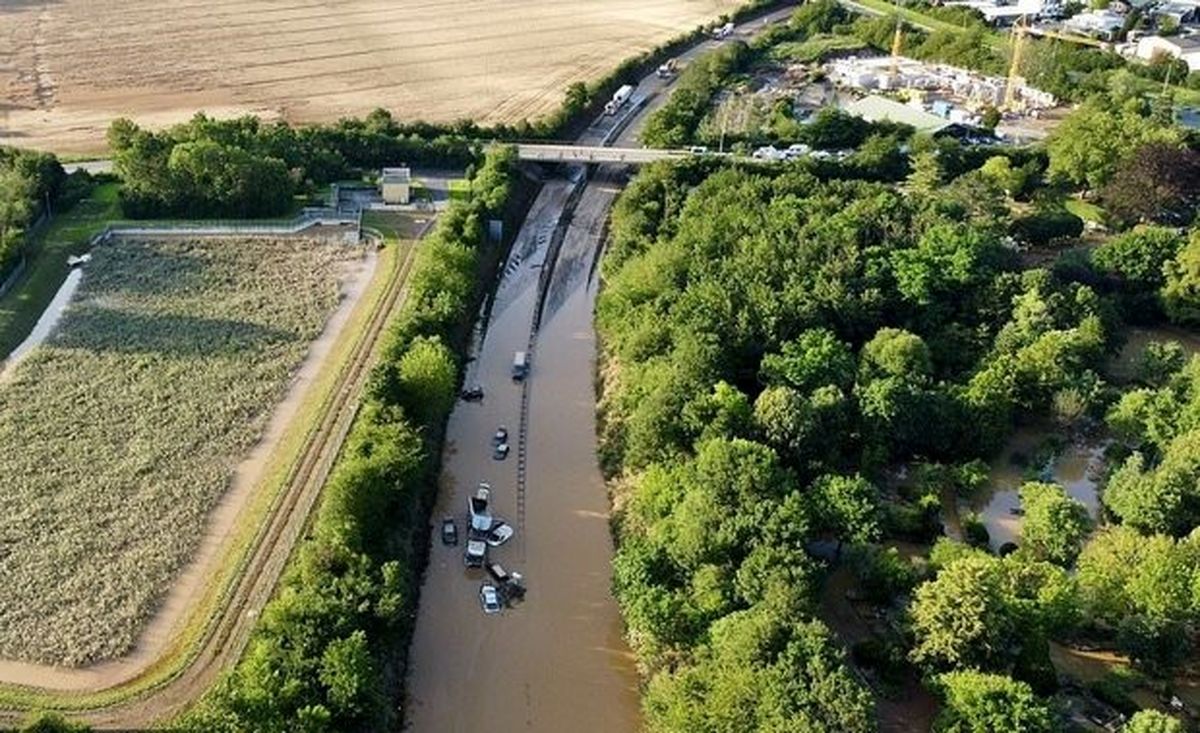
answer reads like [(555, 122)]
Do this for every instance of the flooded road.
[(558, 661), (1077, 466)]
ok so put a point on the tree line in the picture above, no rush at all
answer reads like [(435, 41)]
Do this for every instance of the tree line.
[(245, 168), (30, 183)]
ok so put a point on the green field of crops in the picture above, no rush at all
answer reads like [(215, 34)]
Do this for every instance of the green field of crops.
[(119, 435)]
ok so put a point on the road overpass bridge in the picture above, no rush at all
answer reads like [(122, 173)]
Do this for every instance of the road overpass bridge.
[(566, 153)]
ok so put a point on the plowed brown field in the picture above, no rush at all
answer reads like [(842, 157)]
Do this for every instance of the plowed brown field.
[(67, 67)]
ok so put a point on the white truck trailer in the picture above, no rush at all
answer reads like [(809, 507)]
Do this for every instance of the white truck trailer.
[(619, 98)]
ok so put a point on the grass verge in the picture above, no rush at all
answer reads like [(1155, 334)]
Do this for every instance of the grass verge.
[(46, 262)]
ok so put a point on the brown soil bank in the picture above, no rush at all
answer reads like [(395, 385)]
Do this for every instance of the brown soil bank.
[(68, 67)]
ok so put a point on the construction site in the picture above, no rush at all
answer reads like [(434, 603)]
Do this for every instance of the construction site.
[(952, 93), (775, 99), (949, 92)]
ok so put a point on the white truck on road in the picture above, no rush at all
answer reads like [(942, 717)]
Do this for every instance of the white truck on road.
[(724, 31), (619, 98), (520, 368)]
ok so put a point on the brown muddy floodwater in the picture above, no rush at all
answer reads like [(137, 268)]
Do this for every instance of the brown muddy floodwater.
[(1124, 366), (558, 661), (1077, 467)]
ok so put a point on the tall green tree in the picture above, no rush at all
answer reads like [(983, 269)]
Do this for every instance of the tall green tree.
[(1181, 291), (975, 702), (1087, 147), (1152, 721), (1055, 525)]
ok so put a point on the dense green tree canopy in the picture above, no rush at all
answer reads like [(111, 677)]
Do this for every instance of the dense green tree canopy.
[(1087, 147), (988, 703), (1152, 721), (1181, 291), (1055, 525)]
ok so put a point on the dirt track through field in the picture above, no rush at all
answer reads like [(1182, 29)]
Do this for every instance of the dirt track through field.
[(67, 67)]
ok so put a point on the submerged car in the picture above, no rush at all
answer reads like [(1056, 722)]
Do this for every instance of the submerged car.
[(476, 554), (478, 509), (489, 598), (473, 394), (501, 436), (500, 452), (449, 532), (511, 585), (500, 533)]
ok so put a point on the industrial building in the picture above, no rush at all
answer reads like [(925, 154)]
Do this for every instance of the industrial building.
[(1184, 48), (395, 185), (874, 108)]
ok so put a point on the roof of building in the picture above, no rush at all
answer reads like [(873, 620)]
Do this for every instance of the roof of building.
[(1099, 20), (397, 175), (1004, 11), (1176, 8), (874, 108), (1185, 44)]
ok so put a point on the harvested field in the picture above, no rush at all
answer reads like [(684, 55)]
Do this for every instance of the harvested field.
[(67, 67), (119, 435)]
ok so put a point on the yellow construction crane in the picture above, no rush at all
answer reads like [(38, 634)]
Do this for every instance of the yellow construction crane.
[(897, 44), (1020, 29), (1020, 32)]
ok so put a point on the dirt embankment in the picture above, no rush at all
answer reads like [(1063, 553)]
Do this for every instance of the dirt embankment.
[(68, 67)]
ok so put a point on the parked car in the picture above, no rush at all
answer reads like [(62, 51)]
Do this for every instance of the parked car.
[(449, 531), (500, 533), (489, 598), (479, 509), (472, 394), (498, 573), (798, 150), (476, 554), (768, 152), (511, 585), (501, 436), (500, 452)]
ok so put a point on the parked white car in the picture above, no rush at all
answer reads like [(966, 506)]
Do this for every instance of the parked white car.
[(769, 152), (501, 532), (479, 509), (489, 598)]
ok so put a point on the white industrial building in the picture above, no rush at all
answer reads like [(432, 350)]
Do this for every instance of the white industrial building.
[(874, 108), (1181, 11), (1004, 12), (395, 185), (1099, 23), (1185, 48)]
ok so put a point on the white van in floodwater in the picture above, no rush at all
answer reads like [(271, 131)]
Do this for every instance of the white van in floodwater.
[(520, 365)]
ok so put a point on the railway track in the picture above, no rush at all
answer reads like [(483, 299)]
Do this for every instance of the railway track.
[(229, 630)]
